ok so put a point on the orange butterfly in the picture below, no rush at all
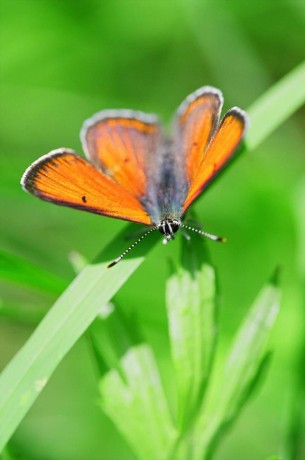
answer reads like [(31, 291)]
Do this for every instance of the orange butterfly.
[(134, 172)]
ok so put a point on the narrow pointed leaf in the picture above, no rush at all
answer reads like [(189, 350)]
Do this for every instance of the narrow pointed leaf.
[(135, 401), (246, 363), (191, 313), (15, 269)]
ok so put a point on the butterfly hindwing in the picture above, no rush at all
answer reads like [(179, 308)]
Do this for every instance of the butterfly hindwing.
[(65, 178)]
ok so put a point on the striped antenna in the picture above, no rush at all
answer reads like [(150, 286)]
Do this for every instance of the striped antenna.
[(208, 235), (118, 259)]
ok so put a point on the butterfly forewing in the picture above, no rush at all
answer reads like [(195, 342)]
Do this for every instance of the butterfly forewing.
[(121, 143), (218, 152), (65, 178), (196, 121)]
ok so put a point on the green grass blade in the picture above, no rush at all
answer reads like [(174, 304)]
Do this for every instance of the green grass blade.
[(18, 313), (243, 371), (275, 106), (274, 457), (293, 446), (135, 401), (26, 375), (191, 294), (17, 270)]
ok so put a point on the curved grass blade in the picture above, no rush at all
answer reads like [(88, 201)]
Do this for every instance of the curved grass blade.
[(275, 106), (17, 270), (28, 372), (31, 316)]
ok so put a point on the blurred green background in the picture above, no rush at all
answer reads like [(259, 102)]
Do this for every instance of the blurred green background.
[(61, 61)]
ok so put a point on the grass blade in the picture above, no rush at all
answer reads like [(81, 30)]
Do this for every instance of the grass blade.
[(243, 371), (17, 270), (275, 106), (26, 375), (293, 439), (134, 399), (31, 316), (191, 294), (274, 457)]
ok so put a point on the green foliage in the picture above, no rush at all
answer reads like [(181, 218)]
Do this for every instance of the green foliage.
[(132, 393), (63, 61), (24, 378), (30, 370)]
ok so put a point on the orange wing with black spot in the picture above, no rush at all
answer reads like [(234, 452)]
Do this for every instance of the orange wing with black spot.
[(217, 153), (120, 143), (66, 179)]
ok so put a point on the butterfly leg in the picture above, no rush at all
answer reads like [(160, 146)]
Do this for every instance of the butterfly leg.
[(185, 235), (191, 221), (135, 234)]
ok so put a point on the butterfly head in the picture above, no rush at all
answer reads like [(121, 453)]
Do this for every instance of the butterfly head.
[(168, 228)]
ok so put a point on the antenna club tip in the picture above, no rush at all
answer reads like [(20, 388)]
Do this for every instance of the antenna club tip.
[(222, 239), (113, 263)]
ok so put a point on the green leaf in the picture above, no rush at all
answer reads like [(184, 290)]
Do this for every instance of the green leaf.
[(27, 374), (135, 401), (293, 445), (191, 313), (299, 213), (132, 394), (244, 368), (17, 270)]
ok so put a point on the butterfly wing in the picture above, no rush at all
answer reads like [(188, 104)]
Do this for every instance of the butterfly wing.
[(218, 152), (121, 143), (195, 124), (66, 179)]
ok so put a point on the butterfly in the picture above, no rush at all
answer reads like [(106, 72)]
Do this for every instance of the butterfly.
[(134, 172)]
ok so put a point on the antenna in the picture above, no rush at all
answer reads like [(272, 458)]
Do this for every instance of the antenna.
[(117, 260), (208, 235)]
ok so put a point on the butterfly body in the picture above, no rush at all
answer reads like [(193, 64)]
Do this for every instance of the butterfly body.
[(167, 187), (133, 172)]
